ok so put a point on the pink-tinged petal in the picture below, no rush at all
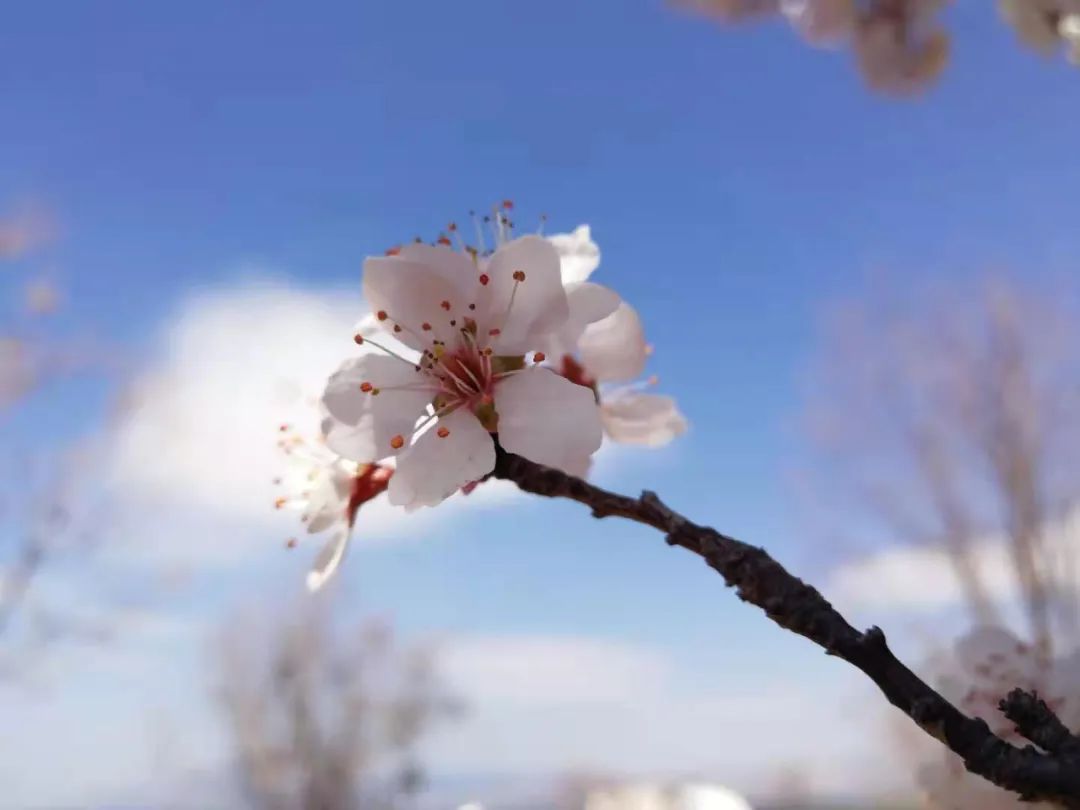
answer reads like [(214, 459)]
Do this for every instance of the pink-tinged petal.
[(579, 255), (376, 398), (588, 303), (329, 559), (548, 419), (647, 419), (539, 305), (614, 348), (445, 458), (419, 298)]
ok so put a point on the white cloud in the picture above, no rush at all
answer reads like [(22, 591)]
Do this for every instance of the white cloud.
[(193, 460), (922, 579), (551, 669), (552, 704)]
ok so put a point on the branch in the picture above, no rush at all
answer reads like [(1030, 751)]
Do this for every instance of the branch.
[(1038, 723), (798, 607)]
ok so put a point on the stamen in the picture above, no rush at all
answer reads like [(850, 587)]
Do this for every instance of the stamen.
[(366, 386), (519, 276), (539, 357), (290, 543), (445, 305), (479, 232), (280, 502), (397, 442), (380, 347), (484, 279), (444, 240), (394, 251), (425, 326), (381, 315), (442, 432)]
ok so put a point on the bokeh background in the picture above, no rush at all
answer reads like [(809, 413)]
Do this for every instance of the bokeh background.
[(833, 279)]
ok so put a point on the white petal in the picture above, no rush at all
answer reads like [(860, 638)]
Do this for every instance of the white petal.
[(329, 559), (434, 468), (539, 305), (648, 419), (412, 293), (547, 418), (588, 303), (579, 255), (614, 348), (372, 420)]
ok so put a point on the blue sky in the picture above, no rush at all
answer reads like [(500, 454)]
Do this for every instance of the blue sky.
[(737, 181)]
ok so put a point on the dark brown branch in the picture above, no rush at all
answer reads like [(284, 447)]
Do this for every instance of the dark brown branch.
[(798, 607), (1038, 723)]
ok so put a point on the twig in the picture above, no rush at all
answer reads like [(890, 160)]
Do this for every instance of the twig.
[(1038, 723), (798, 607)]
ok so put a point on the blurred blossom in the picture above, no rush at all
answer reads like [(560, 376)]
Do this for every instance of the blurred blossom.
[(821, 22), (16, 370), (729, 10), (41, 297), (984, 666), (900, 47), (22, 232), (1045, 25)]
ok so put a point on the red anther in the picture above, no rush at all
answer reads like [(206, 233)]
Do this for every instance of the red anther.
[(366, 386), (519, 275), (394, 251), (425, 326), (539, 357), (381, 315), (445, 305), (397, 442), (358, 339), (508, 205), (484, 279), (494, 332), (442, 432), (443, 240)]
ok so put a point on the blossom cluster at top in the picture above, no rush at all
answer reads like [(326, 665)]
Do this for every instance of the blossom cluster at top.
[(986, 664), (900, 46), (467, 346)]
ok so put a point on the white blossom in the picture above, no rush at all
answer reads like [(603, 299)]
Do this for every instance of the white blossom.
[(327, 491), (468, 322)]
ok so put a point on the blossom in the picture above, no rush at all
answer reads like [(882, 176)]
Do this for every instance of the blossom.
[(328, 491), (468, 322), (821, 21), (1045, 24), (985, 665), (602, 343)]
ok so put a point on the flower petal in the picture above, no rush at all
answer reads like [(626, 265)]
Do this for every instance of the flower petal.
[(588, 303), (438, 464), (548, 419), (374, 419), (524, 312), (647, 419), (579, 255), (413, 293), (329, 559), (615, 348)]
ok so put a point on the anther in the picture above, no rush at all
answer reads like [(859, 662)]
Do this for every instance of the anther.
[(280, 502), (394, 251), (508, 205), (290, 543), (425, 326), (494, 332), (444, 240), (442, 432), (484, 278), (519, 275), (366, 387), (358, 339), (397, 327), (445, 305), (397, 442), (539, 357), (381, 315)]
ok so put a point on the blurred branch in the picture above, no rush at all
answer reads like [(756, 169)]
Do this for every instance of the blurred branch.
[(1038, 723), (798, 607)]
